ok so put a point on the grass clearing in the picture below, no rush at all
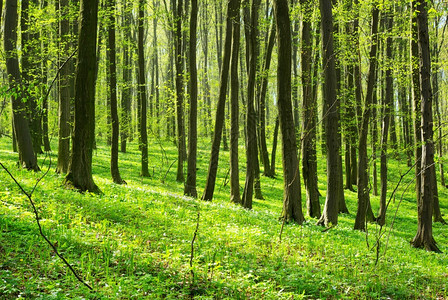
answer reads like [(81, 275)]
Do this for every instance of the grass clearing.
[(134, 241)]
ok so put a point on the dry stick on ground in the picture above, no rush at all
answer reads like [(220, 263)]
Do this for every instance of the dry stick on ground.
[(192, 249), (36, 216)]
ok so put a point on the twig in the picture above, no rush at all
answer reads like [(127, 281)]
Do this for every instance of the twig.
[(192, 249), (36, 215), (164, 177)]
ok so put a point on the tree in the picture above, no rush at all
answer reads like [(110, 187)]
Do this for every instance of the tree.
[(190, 184), (112, 75), (127, 78), (235, 196), (21, 128), (251, 117), (424, 238), (179, 61), (331, 108), (232, 8), (80, 167), (142, 90), (309, 117), (363, 186), (292, 206), (388, 102)]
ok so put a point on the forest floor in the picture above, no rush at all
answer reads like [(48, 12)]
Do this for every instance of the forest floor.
[(134, 241)]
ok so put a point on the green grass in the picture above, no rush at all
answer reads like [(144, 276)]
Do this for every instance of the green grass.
[(134, 241)]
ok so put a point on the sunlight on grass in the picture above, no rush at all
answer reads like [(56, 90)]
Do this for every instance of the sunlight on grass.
[(134, 241)]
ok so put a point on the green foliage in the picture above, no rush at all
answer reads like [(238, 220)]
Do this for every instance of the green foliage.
[(134, 241)]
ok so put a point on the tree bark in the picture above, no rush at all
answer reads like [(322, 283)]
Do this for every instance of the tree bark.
[(22, 133), (424, 238), (388, 102), (363, 177), (179, 94), (292, 206), (142, 90), (331, 112), (64, 93), (309, 117), (235, 196), (80, 167), (232, 8), (190, 184), (112, 74), (127, 80)]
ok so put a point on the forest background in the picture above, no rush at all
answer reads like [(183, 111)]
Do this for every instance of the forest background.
[(132, 94)]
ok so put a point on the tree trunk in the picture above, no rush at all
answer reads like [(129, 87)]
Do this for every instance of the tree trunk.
[(232, 8), (388, 102), (292, 206), (235, 196), (274, 145), (424, 238), (112, 74), (262, 104), (331, 112), (251, 119), (179, 94), (80, 167), (127, 79), (64, 93), (27, 157), (142, 90), (309, 160), (416, 108), (190, 184), (363, 177)]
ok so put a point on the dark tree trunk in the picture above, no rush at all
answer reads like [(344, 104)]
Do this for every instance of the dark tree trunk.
[(190, 185), (180, 94), (251, 118), (232, 8), (292, 206), (235, 196), (205, 84), (22, 133), (112, 74), (388, 102), (80, 167), (156, 72), (44, 79), (309, 161), (127, 80), (331, 112), (416, 107), (30, 73), (262, 104), (64, 93), (424, 238), (363, 177), (142, 90), (274, 145)]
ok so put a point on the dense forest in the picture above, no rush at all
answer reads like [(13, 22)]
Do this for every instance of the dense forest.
[(223, 149)]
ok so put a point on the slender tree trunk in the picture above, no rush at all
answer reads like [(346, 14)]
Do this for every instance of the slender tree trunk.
[(232, 8), (190, 185), (142, 90), (64, 93), (180, 94), (27, 157), (44, 46), (274, 144), (424, 238), (388, 102), (127, 79), (80, 167), (262, 104), (251, 119), (235, 196), (363, 177), (416, 108), (292, 206), (309, 160), (331, 109), (112, 74)]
